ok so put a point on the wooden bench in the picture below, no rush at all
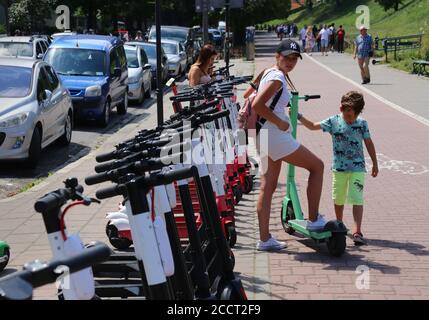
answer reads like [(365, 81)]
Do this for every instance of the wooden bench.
[(419, 66)]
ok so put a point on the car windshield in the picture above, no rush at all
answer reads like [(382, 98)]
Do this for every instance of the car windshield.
[(173, 34), (132, 60), (77, 62), (21, 49), (170, 48), (15, 82)]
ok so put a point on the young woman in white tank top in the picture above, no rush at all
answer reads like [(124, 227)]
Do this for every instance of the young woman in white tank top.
[(276, 145), (200, 70)]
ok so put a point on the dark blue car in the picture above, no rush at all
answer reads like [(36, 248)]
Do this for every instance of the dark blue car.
[(94, 70)]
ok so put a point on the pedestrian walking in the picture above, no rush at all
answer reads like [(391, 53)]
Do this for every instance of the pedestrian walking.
[(364, 50), (324, 40)]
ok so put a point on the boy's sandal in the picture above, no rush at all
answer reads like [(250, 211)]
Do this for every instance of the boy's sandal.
[(358, 238)]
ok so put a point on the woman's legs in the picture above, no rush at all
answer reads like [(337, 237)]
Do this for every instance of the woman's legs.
[(268, 185), (304, 158)]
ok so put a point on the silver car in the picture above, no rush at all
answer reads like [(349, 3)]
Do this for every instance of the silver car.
[(35, 109), (33, 47), (177, 58), (139, 74)]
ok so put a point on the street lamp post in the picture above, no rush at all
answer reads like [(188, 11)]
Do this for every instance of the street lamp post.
[(160, 86)]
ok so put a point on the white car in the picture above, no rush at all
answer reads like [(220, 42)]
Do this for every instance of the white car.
[(35, 109), (177, 58), (33, 47), (139, 74)]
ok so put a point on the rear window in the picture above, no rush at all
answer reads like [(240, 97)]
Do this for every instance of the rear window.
[(20, 49), (15, 82), (132, 59)]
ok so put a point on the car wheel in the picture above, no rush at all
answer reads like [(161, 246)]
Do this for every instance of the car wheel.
[(35, 149), (104, 119), (149, 90), (142, 95), (122, 108), (65, 139)]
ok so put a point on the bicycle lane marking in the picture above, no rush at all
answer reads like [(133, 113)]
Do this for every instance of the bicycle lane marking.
[(372, 93)]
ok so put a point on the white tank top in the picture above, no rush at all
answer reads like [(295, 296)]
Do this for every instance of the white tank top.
[(273, 75)]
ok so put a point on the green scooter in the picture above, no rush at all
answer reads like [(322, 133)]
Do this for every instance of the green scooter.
[(334, 233), (4, 255)]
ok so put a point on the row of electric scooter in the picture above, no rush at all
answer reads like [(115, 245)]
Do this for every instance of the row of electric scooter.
[(177, 186)]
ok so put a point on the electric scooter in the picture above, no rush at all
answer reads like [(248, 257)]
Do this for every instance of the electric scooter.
[(334, 232)]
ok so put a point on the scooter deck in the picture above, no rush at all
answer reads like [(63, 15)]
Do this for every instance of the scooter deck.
[(301, 227)]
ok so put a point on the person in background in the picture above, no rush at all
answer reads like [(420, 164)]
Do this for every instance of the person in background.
[(340, 39), (309, 40), (303, 36), (139, 36), (364, 50), (324, 40), (332, 36), (200, 72)]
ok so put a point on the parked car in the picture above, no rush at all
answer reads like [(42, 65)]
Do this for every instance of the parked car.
[(150, 49), (35, 109), (94, 70), (63, 34), (182, 34), (177, 59), (33, 47), (139, 74), (216, 37)]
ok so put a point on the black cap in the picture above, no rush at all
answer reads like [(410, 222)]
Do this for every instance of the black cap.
[(288, 47)]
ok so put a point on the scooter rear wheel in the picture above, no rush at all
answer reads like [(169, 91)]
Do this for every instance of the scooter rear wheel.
[(336, 244), (290, 215), (248, 186)]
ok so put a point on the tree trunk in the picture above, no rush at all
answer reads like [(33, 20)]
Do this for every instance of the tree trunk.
[(396, 5)]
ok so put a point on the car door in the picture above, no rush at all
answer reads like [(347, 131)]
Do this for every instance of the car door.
[(146, 73), (39, 50), (45, 107), (114, 80), (123, 80), (183, 56), (58, 103)]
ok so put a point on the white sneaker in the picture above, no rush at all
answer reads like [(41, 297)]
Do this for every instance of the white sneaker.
[(270, 245), (318, 224)]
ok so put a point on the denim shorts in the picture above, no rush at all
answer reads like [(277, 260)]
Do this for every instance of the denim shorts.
[(324, 43)]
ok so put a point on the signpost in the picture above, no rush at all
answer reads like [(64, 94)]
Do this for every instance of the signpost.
[(159, 84)]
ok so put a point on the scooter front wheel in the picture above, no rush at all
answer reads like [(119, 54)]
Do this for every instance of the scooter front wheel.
[(231, 235), (233, 291), (290, 215), (115, 240)]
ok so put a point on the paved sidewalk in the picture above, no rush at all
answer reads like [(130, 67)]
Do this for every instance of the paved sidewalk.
[(23, 228), (396, 215)]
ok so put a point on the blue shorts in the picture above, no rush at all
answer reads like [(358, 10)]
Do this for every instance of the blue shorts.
[(324, 43)]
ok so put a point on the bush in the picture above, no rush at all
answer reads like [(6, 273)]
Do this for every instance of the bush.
[(2, 29)]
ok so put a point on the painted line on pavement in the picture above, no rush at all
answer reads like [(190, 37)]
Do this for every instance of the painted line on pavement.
[(384, 100)]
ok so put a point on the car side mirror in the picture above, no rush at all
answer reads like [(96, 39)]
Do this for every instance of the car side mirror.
[(40, 56), (47, 95), (147, 67), (117, 72)]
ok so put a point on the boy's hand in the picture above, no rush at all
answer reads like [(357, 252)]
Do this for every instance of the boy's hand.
[(374, 170)]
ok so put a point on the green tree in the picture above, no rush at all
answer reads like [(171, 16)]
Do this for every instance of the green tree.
[(30, 15), (389, 4)]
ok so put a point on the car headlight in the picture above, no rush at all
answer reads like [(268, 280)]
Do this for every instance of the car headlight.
[(14, 121), (93, 91)]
